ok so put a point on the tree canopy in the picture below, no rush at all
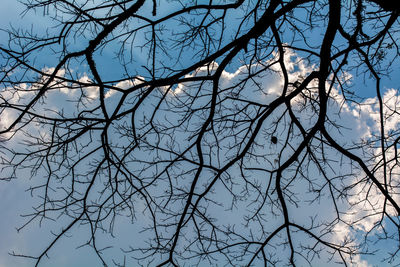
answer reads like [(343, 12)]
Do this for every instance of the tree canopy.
[(210, 133)]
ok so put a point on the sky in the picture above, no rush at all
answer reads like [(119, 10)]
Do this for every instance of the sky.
[(14, 200)]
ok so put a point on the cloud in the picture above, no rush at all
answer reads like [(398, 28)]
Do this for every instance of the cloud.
[(359, 124)]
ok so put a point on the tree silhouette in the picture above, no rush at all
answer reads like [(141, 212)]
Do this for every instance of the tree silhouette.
[(226, 133)]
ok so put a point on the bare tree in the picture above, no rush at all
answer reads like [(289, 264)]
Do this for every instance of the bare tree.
[(226, 132)]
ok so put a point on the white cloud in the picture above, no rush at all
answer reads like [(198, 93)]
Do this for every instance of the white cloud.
[(359, 123)]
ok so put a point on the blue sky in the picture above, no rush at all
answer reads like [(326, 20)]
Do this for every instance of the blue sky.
[(15, 201)]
